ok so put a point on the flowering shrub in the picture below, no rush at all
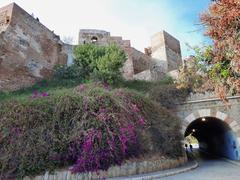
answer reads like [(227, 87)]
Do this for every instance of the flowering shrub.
[(87, 129), (37, 94), (85, 87)]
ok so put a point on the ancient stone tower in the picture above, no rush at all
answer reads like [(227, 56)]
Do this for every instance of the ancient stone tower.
[(166, 51), (103, 38), (99, 37), (162, 57)]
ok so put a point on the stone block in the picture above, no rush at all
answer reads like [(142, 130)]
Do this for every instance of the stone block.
[(221, 116), (233, 124), (204, 112), (190, 118), (228, 120)]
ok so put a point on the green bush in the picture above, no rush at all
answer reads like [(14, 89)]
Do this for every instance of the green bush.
[(100, 62), (68, 72), (88, 128), (108, 66), (86, 56)]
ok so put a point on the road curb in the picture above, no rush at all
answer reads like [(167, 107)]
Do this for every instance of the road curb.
[(161, 174), (194, 166)]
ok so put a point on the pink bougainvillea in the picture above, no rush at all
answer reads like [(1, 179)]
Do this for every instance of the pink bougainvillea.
[(37, 94), (141, 121)]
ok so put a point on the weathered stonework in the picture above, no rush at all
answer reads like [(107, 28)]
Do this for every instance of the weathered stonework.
[(103, 38), (163, 56), (166, 51), (28, 50), (209, 105)]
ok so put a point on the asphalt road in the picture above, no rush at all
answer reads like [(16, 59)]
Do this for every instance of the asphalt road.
[(210, 169)]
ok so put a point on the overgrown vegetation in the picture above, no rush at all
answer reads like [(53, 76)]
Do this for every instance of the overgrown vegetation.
[(222, 24), (58, 123), (169, 96), (69, 72), (90, 127), (217, 66), (61, 83), (100, 62), (193, 73), (49, 86), (92, 63)]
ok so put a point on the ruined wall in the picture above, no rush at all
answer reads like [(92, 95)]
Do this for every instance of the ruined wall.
[(141, 61), (103, 38), (136, 62), (127, 69), (163, 56), (98, 37), (28, 50)]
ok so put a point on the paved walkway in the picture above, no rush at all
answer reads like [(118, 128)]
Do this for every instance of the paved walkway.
[(210, 169), (207, 168), (188, 167)]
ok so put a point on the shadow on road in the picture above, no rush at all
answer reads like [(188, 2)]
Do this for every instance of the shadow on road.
[(200, 155)]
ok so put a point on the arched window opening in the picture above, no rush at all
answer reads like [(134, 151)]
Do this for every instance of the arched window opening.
[(94, 39), (7, 20)]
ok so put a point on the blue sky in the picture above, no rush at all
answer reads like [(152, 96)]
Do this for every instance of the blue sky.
[(136, 20)]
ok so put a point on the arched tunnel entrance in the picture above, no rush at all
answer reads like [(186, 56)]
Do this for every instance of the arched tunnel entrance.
[(214, 136)]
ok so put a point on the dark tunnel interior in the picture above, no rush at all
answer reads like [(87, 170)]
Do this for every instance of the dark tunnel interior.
[(214, 136)]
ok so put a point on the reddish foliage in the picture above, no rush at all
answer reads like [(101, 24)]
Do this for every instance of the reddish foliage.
[(223, 26)]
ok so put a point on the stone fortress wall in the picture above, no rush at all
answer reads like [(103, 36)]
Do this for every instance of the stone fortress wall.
[(29, 51), (163, 56)]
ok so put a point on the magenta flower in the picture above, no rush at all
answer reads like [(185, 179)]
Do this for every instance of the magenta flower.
[(87, 145), (141, 121), (44, 94), (37, 94)]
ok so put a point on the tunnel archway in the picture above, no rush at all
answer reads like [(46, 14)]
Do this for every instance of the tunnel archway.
[(215, 132)]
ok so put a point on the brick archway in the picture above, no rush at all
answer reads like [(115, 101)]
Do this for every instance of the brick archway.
[(211, 113)]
